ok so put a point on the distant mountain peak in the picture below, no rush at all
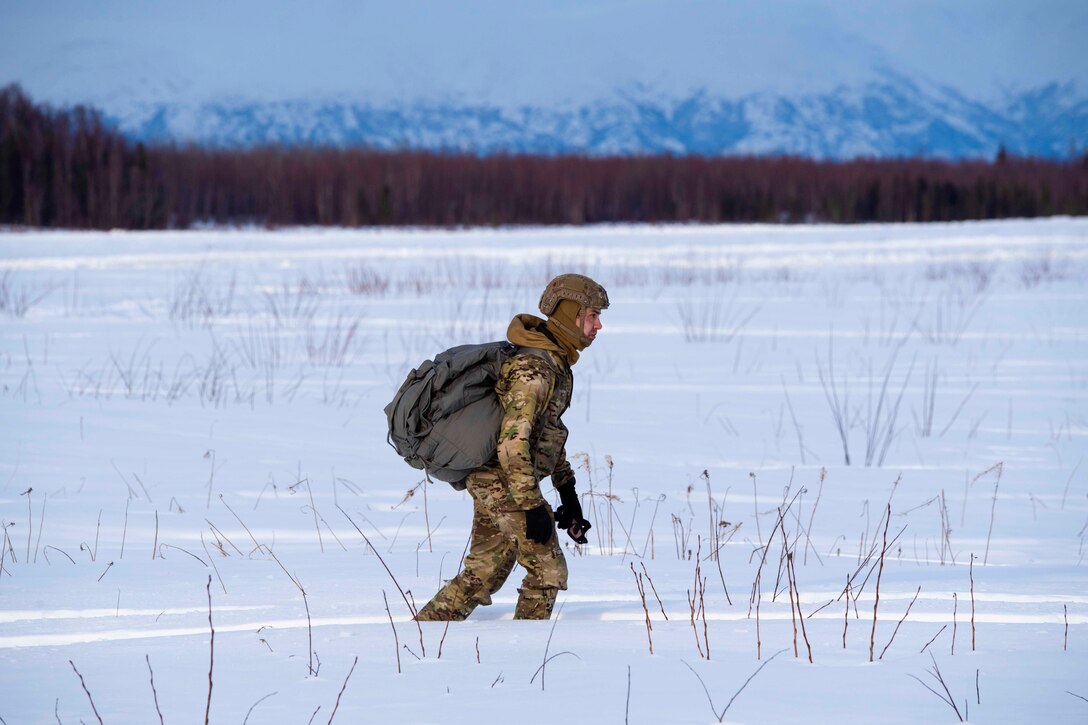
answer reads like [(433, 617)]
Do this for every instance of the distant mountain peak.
[(890, 116)]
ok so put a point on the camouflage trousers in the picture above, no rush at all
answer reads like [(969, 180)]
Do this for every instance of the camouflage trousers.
[(498, 541)]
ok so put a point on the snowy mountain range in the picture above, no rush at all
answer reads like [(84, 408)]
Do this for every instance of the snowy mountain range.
[(820, 78), (893, 116)]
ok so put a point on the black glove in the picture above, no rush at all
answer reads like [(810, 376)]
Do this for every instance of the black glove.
[(538, 524), (569, 515)]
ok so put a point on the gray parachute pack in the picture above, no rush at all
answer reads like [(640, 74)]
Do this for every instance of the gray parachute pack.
[(445, 417)]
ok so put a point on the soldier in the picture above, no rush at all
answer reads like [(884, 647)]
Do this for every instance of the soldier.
[(511, 521)]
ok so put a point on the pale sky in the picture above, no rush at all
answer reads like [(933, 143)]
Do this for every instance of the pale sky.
[(510, 52)]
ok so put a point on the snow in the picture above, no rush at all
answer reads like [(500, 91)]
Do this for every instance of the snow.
[(196, 414)]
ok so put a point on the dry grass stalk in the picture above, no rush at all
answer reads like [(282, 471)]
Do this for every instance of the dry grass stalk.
[(946, 530), (427, 516), (45, 553), (999, 468), (211, 652), (611, 498), (756, 597), (1069, 480), (645, 610), (294, 580), (108, 567), (721, 576), (867, 564), (710, 507), (256, 544), (411, 607), (211, 476), (972, 572), (796, 425), (955, 607), (654, 590), (627, 707), (755, 508), (254, 705), (702, 611), (793, 575), (154, 692), (812, 518), (4, 549), (943, 628), (93, 553), (793, 608), (29, 520), (681, 538), (345, 685), (220, 535), (695, 615), (211, 560), (89, 698), (839, 408), (628, 531), (846, 615), (124, 532), (649, 543), (41, 525), (443, 640), (1065, 642), (876, 602), (396, 639), (896, 630), (313, 509), (947, 698), (547, 646), (697, 603), (183, 551), (721, 715)]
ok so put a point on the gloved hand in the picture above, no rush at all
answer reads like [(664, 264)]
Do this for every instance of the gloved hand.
[(569, 515), (538, 524)]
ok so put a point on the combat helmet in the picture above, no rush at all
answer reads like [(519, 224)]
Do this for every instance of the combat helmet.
[(576, 287)]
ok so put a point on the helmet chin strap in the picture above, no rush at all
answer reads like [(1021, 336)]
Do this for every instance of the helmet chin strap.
[(580, 322)]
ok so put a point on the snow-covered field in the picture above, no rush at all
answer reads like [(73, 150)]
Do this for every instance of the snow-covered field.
[(194, 420)]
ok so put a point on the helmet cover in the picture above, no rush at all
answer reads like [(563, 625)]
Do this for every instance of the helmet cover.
[(575, 287)]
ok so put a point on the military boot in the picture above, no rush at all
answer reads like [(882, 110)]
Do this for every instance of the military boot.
[(535, 603), (433, 613), (446, 607)]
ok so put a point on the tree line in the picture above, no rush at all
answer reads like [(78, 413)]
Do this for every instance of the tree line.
[(67, 168)]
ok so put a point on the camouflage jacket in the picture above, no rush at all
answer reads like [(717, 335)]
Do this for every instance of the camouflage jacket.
[(534, 394)]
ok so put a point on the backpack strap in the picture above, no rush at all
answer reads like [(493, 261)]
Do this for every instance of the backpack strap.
[(546, 356), (537, 352)]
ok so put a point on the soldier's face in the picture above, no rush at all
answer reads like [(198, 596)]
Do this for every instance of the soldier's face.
[(590, 321)]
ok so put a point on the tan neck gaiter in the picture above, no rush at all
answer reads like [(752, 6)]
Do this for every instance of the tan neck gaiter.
[(564, 327)]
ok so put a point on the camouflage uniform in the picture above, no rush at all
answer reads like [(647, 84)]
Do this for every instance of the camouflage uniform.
[(534, 393)]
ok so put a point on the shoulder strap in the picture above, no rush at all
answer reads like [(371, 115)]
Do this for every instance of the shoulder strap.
[(538, 352), (547, 356)]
